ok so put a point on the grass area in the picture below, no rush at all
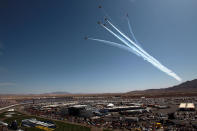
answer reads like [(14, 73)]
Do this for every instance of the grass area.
[(61, 126), (70, 127)]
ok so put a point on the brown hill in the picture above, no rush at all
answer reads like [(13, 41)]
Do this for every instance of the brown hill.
[(186, 87)]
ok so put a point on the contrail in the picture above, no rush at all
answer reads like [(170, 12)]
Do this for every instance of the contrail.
[(117, 36), (133, 43), (161, 67), (141, 52), (129, 46), (114, 44), (131, 31), (135, 40), (123, 40), (126, 43)]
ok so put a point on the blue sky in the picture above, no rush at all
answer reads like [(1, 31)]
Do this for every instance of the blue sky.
[(42, 46)]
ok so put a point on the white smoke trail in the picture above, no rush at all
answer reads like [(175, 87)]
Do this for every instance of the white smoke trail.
[(127, 38), (123, 40), (142, 52), (133, 43), (114, 44), (139, 53), (131, 31), (135, 40), (161, 67), (129, 46), (117, 36)]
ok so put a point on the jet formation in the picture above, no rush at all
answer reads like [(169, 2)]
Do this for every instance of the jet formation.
[(130, 44)]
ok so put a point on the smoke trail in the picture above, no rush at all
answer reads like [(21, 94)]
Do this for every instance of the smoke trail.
[(142, 53), (127, 38), (159, 65), (107, 15), (122, 39), (131, 31), (139, 53), (129, 46), (114, 44)]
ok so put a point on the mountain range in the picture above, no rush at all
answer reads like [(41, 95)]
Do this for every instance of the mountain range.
[(183, 88)]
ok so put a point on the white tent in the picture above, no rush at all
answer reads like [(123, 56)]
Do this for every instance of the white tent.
[(110, 105)]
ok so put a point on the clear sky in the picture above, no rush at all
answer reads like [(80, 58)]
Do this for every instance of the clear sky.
[(42, 46)]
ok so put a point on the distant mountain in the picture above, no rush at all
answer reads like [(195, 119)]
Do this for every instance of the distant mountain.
[(188, 86), (58, 93)]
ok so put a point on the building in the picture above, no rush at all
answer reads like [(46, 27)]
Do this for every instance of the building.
[(187, 107), (123, 108), (80, 110)]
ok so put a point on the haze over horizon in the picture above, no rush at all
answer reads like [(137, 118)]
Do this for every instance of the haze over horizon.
[(42, 46)]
